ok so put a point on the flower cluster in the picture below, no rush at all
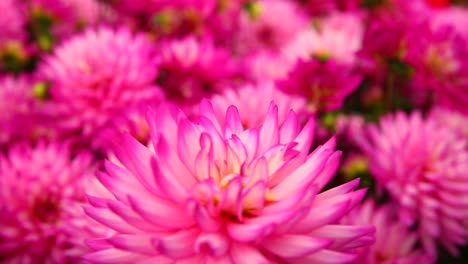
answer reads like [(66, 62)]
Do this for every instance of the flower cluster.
[(233, 131)]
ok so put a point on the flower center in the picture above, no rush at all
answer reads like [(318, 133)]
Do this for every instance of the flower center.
[(46, 209)]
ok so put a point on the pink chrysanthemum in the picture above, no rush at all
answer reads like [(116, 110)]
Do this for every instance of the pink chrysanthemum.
[(325, 84), (97, 76), (212, 193), (394, 243), (193, 69), (251, 97), (41, 193), (338, 36), (423, 166)]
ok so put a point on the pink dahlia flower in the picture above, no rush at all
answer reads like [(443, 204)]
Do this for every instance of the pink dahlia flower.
[(41, 193), (212, 193), (338, 36), (394, 243), (324, 84), (97, 76), (456, 121), (348, 128), (264, 65), (261, 26), (12, 21), (423, 167), (251, 97), (192, 69), (17, 108), (67, 16), (439, 60), (456, 17)]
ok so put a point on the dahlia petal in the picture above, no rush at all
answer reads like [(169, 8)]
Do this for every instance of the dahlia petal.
[(327, 257), (233, 124), (289, 129), (306, 173), (134, 243), (242, 253), (295, 246), (213, 244), (255, 228), (328, 171), (206, 108), (249, 139), (170, 164), (215, 134), (321, 215), (231, 200), (204, 161), (176, 191), (116, 182), (220, 260), (259, 171), (268, 134), (164, 120), (254, 197), (131, 217), (342, 189), (109, 219), (114, 255), (97, 201), (98, 244), (188, 133), (137, 159), (305, 137), (204, 220), (177, 245), (289, 202), (160, 213), (238, 150), (156, 259), (344, 234)]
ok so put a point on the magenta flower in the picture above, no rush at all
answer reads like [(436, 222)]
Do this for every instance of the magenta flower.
[(456, 121), (12, 21), (193, 69), (41, 193), (423, 167), (13, 49), (338, 36), (324, 84), (207, 193), (264, 65), (438, 58), (97, 76), (394, 243), (456, 17), (67, 16), (17, 108), (261, 27), (251, 97)]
